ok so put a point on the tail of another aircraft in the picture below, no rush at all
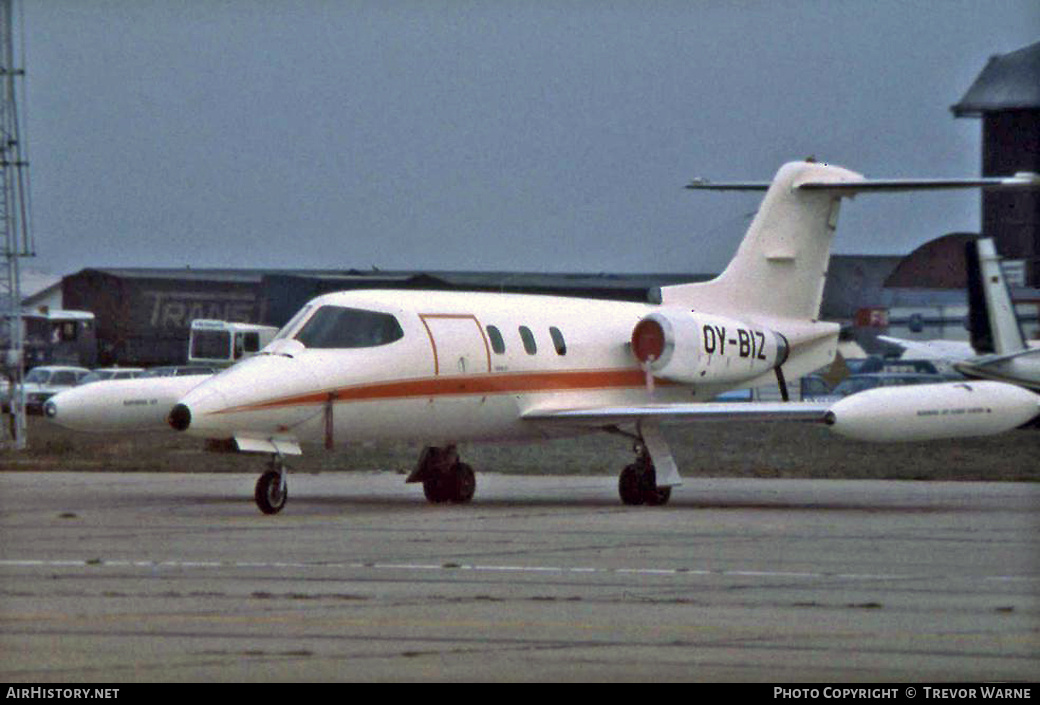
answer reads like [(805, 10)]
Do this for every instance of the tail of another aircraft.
[(781, 265), (994, 325)]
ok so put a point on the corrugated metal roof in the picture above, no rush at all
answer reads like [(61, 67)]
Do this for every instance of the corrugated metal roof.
[(1008, 82), (251, 276), (454, 279)]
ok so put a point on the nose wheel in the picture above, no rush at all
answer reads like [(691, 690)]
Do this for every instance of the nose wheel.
[(272, 489)]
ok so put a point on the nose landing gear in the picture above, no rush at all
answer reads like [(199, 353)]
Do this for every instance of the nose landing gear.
[(272, 489)]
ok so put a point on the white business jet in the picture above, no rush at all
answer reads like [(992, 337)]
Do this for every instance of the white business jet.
[(449, 367)]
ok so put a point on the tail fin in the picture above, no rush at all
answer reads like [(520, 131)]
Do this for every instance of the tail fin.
[(994, 325), (781, 265)]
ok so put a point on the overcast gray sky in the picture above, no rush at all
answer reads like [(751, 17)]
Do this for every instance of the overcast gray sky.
[(541, 135)]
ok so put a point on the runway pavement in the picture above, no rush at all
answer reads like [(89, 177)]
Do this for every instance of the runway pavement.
[(175, 577)]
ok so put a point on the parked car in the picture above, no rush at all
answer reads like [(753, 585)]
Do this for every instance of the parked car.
[(42, 383), (112, 373), (178, 371), (813, 387)]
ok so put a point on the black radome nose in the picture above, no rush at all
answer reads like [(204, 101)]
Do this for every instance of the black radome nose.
[(180, 417)]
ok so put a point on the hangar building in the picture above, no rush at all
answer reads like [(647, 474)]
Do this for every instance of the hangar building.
[(1006, 96)]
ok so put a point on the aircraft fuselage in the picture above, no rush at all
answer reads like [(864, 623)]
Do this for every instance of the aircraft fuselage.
[(452, 367)]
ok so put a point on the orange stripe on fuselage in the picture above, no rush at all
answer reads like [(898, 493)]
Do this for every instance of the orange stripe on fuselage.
[(524, 382)]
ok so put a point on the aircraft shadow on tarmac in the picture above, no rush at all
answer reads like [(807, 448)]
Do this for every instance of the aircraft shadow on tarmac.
[(303, 505)]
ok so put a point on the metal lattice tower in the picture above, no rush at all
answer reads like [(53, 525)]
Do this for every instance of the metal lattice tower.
[(14, 220)]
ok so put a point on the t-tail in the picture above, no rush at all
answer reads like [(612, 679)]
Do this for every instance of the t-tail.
[(781, 265)]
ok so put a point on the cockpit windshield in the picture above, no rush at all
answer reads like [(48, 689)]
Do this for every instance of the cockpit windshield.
[(341, 327), (293, 323)]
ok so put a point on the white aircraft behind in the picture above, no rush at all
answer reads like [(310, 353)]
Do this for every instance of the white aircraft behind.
[(995, 328), (444, 368), (946, 351)]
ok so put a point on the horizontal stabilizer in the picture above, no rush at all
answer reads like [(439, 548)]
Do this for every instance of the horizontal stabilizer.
[(851, 188)]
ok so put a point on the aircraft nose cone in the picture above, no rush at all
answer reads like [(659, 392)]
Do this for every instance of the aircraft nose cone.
[(180, 417)]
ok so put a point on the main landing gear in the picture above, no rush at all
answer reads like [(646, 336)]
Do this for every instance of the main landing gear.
[(650, 479), (271, 488), (443, 476), (638, 482)]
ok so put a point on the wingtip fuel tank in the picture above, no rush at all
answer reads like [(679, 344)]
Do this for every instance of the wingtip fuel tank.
[(933, 411)]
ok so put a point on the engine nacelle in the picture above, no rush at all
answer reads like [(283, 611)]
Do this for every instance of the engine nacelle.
[(691, 348)]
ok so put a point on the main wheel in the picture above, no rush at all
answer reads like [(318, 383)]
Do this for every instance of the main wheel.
[(437, 488), (630, 485), (457, 485), (465, 482), (269, 495), (638, 485)]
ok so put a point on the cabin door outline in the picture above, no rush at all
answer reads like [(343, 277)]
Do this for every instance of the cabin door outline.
[(459, 344)]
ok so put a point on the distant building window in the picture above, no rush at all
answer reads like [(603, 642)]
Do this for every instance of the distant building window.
[(530, 346), (558, 342), (498, 344)]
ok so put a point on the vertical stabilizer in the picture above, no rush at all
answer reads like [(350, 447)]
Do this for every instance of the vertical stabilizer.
[(994, 325), (781, 265)]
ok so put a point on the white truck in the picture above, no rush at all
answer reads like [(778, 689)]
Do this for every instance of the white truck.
[(222, 343)]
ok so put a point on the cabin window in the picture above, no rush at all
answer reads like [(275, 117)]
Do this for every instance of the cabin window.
[(498, 344), (341, 327), (558, 342), (527, 337)]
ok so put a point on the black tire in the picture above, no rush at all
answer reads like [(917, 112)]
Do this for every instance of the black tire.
[(465, 483), (268, 494), (654, 496), (638, 485), (436, 488), (630, 486)]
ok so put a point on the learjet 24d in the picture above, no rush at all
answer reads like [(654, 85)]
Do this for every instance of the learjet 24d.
[(444, 368)]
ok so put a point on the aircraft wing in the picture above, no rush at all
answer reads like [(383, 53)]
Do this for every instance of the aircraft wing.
[(983, 360), (606, 416), (885, 414)]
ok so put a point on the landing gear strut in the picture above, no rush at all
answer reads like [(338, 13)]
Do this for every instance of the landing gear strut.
[(443, 476), (271, 488), (638, 482)]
